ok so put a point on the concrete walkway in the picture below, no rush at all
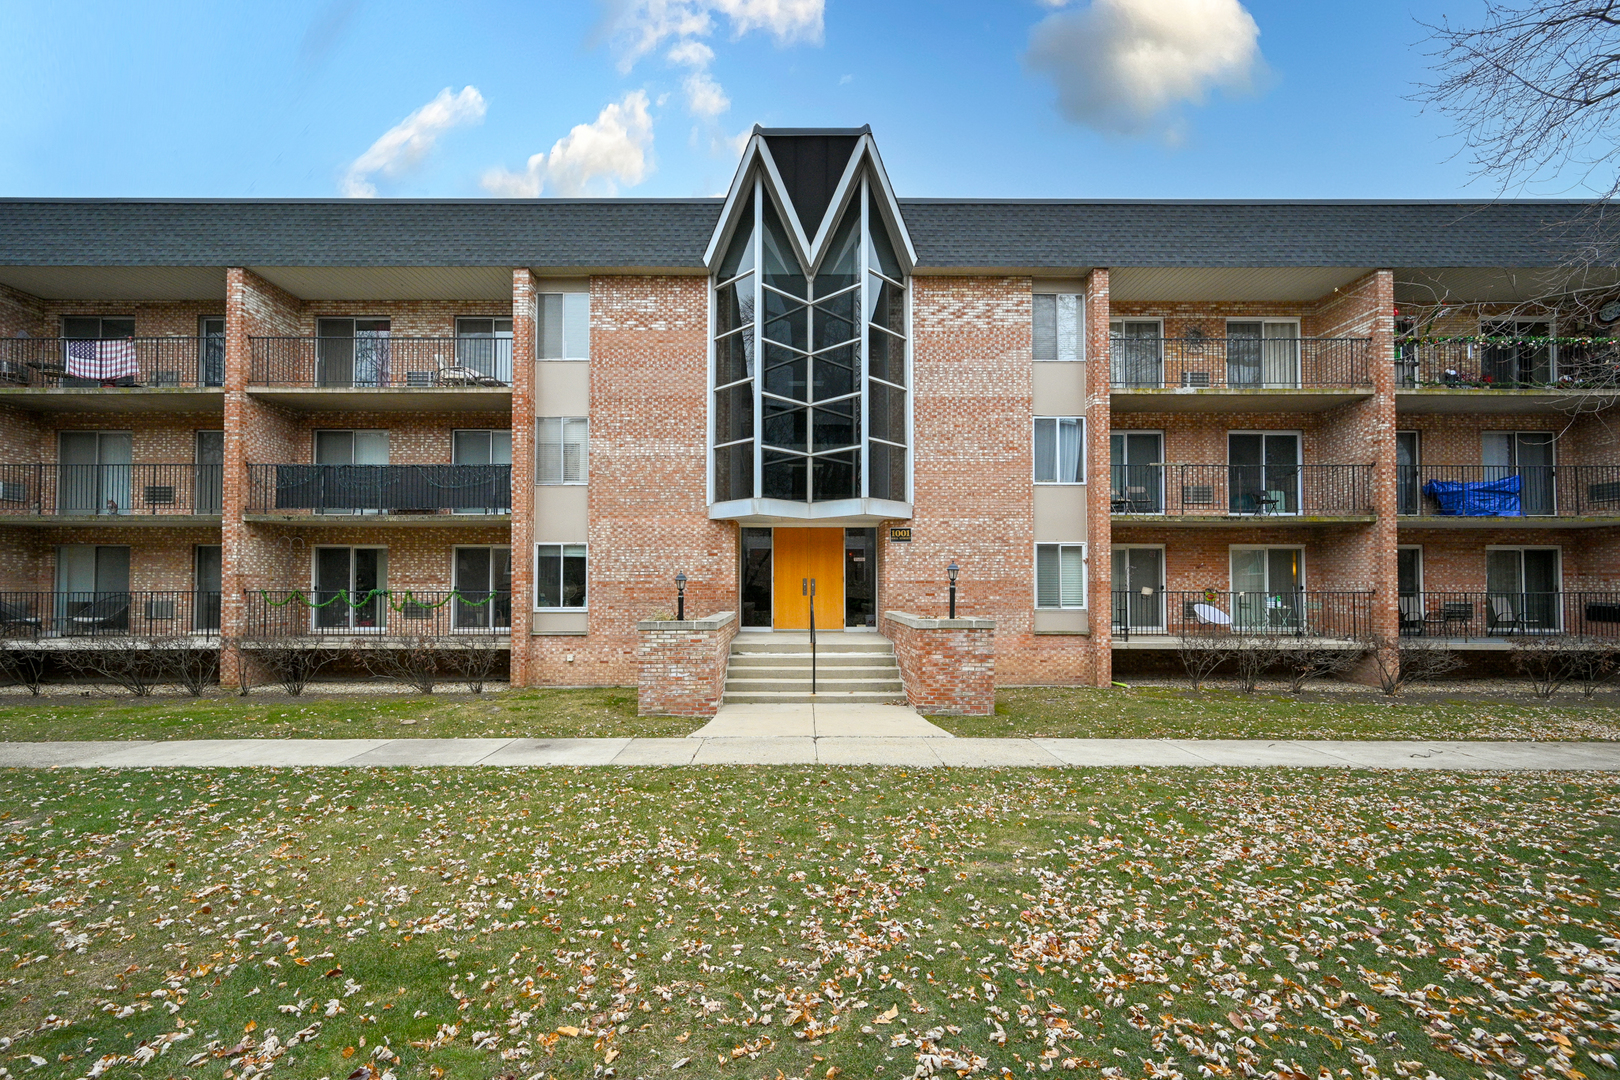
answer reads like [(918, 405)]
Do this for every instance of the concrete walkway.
[(819, 721), (840, 749)]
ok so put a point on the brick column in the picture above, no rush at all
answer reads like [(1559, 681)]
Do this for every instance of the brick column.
[(1099, 483), (523, 406), (681, 666), (235, 477), (948, 666), (1386, 616)]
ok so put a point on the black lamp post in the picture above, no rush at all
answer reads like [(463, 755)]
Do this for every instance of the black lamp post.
[(680, 596), (951, 571)]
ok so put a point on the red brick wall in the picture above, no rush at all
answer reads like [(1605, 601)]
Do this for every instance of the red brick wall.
[(682, 672), (522, 419), (152, 318), (648, 477), (160, 559), (1096, 652), (949, 670), (22, 313)]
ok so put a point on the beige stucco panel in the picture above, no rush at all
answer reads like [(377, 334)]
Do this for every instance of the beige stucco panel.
[(559, 622), (1060, 387), (562, 388), (1060, 513), (1062, 622), (560, 513)]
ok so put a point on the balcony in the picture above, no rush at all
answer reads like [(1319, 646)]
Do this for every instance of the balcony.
[(154, 374), (177, 494), (63, 619), (1491, 496), (1495, 374), (1495, 619), (379, 494), (382, 373), (1241, 494), (1158, 617), (335, 619), (1199, 374)]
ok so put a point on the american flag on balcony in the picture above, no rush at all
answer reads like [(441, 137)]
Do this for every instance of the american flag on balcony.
[(103, 360)]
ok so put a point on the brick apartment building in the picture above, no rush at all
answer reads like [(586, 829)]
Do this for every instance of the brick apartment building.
[(353, 421)]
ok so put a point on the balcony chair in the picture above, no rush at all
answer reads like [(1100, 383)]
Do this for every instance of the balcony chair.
[(452, 373), (1504, 617), (104, 614), (1413, 622), (17, 617)]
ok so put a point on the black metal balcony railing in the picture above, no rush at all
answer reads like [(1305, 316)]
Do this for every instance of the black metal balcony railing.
[(397, 613), (380, 489), (1305, 613), (1240, 363), (380, 362), (1508, 363), (1248, 490), (110, 490), (1463, 615), (1507, 490), (121, 613), (119, 362)]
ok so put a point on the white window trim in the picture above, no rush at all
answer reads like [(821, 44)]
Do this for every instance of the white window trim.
[(314, 586), (1034, 465), (534, 565), (1289, 320), (1085, 575), (585, 464), (1304, 579), (1080, 324), (539, 299), (1420, 568), (454, 588)]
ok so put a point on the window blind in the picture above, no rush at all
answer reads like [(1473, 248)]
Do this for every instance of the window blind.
[(563, 330), (1059, 321), (562, 450)]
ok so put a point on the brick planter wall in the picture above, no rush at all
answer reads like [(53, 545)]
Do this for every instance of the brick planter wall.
[(948, 666), (682, 665)]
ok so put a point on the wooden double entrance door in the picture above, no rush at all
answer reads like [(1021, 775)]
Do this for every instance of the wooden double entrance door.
[(781, 565)]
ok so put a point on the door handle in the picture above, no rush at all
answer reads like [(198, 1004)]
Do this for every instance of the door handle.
[(804, 586)]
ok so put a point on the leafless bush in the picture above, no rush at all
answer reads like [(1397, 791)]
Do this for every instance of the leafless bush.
[(191, 664), (1402, 662), (1317, 660), (473, 660), (22, 666), (1202, 653), (289, 661), (1551, 662), (129, 661), (421, 662)]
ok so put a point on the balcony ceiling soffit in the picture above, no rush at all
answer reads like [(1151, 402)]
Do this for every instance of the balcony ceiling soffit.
[(1503, 286), (1228, 284), (392, 282), (117, 282)]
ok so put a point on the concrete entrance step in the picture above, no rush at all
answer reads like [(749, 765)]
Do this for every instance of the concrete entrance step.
[(773, 645), (841, 662), (796, 697)]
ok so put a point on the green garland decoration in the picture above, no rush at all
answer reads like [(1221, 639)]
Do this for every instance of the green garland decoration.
[(388, 597)]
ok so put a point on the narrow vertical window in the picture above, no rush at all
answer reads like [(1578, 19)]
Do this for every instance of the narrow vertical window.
[(1060, 575), (1059, 458), (1059, 324), (562, 450), (563, 326)]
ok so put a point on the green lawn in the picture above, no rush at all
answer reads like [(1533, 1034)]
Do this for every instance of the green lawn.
[(1173, 713), (513, 714), (808, 922)]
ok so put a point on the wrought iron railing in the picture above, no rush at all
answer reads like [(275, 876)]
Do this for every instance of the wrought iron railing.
[(113, 362), (1507, 363), (1506, 614), (271, 614), (1246, 490), (1305, 613), (1240, 363), (103, 613), (380, 362), (111, 490), (1508, 490), (379, 489)]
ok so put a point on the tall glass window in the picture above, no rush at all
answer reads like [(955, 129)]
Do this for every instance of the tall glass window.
[(810, 376)]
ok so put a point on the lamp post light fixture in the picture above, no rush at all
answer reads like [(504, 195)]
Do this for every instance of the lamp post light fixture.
[(951, 571), (680, 596)]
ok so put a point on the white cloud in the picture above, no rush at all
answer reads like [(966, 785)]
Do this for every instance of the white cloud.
[(592, 159), (403, 146), (642, 26), (1123, 66)]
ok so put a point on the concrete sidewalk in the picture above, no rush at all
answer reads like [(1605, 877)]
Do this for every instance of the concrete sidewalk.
[(810, 750)]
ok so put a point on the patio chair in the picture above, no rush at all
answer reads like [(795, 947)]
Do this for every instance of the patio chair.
[(1412, 621), (108, 613), (15, 617), (451, 373), (1504, 617)]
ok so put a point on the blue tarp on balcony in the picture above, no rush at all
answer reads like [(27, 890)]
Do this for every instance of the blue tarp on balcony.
[(1481, 498)]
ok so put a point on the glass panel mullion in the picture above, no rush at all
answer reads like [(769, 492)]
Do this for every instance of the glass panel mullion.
[(863, 328)]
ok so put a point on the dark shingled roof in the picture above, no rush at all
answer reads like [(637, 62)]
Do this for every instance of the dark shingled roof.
[(672, 233)]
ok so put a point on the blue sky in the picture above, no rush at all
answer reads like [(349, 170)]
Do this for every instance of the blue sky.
[(299, 98)]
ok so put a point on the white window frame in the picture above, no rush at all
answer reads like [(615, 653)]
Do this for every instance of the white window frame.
[(1079, 349), (572, 305), (1035, 464), (314, 589), (1164, 586), (1085, 576), (536, 571), (455, 588), (1231, 587), (561, 424)]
